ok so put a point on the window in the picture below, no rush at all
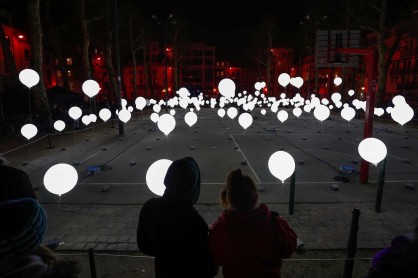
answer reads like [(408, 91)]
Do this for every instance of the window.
[(69, 73)]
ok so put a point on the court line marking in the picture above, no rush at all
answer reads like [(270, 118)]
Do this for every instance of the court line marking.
[(248, 162)]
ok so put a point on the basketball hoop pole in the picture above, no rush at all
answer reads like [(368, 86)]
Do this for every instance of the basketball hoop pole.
[(370, 100)]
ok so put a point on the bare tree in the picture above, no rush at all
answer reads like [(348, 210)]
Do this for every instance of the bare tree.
[(378, 17), (35, 29)]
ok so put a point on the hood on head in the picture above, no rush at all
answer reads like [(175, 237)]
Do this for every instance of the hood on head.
[(182, 180)]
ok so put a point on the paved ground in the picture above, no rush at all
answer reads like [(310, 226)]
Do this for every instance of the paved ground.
[(101, 212)]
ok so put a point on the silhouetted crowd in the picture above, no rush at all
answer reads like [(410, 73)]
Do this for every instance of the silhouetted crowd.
[(247, 240)]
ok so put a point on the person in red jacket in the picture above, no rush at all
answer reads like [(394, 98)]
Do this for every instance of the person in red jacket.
[(248, 239)]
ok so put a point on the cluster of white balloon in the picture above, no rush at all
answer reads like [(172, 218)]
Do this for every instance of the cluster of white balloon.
[(281, 164)]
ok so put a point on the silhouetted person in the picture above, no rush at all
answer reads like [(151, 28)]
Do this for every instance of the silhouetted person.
[(21, 234), (172, 230), (14, 183), (249, 240), (400, 259)]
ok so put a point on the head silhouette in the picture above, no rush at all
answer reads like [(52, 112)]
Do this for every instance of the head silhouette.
[(182, 180), (240, 192)]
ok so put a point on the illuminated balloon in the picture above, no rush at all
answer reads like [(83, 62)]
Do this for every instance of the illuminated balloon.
[(321, 112), (379, 111), (282, 116), (59, 125), (124, 115), (284, 79), (372, 150), (281, 165), (348, 113), (245, 120), (166, 123), (232, 112), (154, 117), (105, 114), (336, 97), (86, 120), (90, 88), (60, 178), (140, 103), (337, 81), (155, 176), (350, 93), (172, 112), (221, 112), (93, 118), (402, 113), (29, 131), (190, 118), (263, 111), (75, 112), (297, 111), (227, 88), (29, 77), (296, 81), (156, 108)]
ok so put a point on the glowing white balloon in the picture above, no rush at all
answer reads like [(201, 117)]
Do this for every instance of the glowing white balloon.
[(336, 97), (282, 115), (402, 113), (166, 123), (90, 88), (348, 113), (156, 108), (155, 176), (124, 115), (59, 125), (140, 103), (372, 150), (297, 111), (154, 117), (105, 114), (75, 112), (296, 81), (232, 112), (263, 111), (29, 131), (60, 178), (172, 112), (86, 119), (337, 81), (29, 77), (93, 118), (221, 112), (245, 120), (190, 118), (379, 111), (284, 79), (281, 165), (227, 88), (321, 112), (350, 93)]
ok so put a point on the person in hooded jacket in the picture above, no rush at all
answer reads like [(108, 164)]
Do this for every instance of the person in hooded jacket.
[(170, 228), (248, 239)]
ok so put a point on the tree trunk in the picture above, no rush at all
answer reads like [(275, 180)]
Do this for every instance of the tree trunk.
[(35, 29), (133, 54), (146, 67), (51, 37), (382, 71), (86, 41)]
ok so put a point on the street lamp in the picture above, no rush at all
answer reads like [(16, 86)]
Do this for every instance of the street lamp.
[(165, 23)]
